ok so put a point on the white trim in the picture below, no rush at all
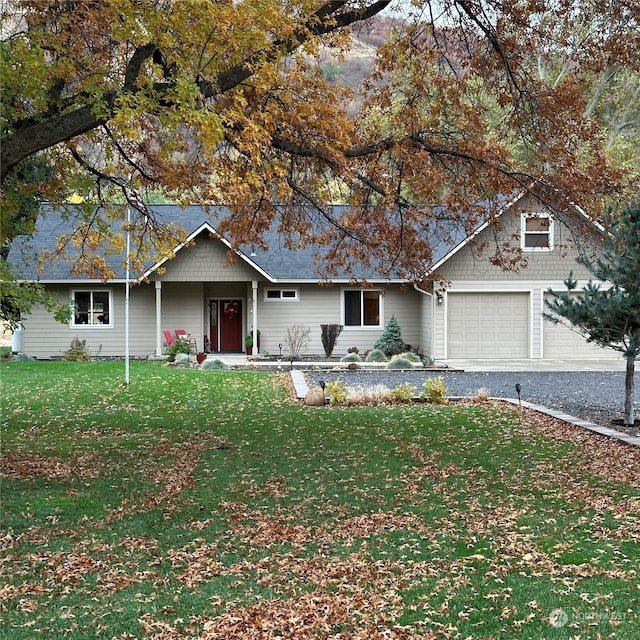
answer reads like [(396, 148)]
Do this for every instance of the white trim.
[(445, 324)]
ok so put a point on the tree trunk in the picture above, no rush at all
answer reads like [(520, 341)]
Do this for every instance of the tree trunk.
[(628, 390)]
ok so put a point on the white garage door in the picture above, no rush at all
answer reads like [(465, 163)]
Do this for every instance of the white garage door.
[(561, 342), (488, 325)]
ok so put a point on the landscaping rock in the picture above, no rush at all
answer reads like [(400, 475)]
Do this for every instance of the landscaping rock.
[(314, 397)]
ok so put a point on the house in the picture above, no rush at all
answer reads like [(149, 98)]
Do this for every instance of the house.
[(482, 312)]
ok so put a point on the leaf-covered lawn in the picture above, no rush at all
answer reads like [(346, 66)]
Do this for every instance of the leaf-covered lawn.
[(210, 505)]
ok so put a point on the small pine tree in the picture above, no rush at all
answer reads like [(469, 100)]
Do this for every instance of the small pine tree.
[(609, 316), (391, 338)]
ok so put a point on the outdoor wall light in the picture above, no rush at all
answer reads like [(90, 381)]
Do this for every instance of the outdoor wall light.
[(440, 299)]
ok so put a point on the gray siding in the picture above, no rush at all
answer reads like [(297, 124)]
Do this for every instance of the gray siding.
[(182, 308), (472, 262), (322, 305), (206, 259), (43, 337)]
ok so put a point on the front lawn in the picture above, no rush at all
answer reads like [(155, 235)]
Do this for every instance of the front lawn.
[(208, 504)]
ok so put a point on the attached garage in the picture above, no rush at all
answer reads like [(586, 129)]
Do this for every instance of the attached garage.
[(488, 325), (563, 343)]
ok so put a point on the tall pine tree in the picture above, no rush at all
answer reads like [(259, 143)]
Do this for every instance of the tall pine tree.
[(608, 312)]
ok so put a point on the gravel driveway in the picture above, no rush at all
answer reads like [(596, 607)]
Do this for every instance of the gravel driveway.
[(591, 395)]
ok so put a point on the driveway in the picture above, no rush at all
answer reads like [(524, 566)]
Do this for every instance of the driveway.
[(594, 395)]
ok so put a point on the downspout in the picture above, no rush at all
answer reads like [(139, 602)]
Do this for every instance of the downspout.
[(433, 317)]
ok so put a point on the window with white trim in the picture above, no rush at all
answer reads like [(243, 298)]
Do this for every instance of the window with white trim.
[(92, 308), (273, 295), (362, 307), (537, 232)]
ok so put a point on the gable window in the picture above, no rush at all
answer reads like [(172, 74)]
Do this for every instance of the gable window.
[(92, 308), (280, 294), (537, 232), (362, 308)]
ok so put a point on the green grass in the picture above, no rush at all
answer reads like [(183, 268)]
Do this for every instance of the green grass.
[(208, 504)]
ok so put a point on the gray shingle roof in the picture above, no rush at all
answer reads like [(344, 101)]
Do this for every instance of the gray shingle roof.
[(281, 263)]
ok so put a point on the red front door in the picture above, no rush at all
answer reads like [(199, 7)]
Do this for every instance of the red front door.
[(231, 325)]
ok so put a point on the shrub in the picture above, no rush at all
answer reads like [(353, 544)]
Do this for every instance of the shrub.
[(179, 346), (373, 395), (185, 358), (391, 338), (21, 357), (336, 392), (403, 393), (297, 339), (208, 365), (353, 350), (376, 355), (77, 351), (329, 335), (428, 361), (248, 341), (351, 357), (483, 394), (399, 362), (434, 390), (409, 355)]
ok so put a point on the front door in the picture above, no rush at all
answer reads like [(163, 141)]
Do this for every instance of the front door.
[(231, 325)]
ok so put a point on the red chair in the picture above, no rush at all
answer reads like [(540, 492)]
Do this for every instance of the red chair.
[(168, 338)]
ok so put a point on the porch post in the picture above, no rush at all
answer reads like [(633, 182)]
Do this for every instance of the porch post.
[(254, 290), (158, 317)]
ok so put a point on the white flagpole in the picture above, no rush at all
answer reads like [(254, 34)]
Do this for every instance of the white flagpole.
[(126, 301)]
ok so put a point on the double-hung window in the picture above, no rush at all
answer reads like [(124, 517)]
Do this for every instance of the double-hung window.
[(92, 308), (362, 307), (537, 232)]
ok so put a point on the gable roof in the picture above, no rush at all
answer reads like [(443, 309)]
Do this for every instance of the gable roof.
[(459, 238), (278, 263)]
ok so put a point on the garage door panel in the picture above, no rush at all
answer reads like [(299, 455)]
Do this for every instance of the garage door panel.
[(561, 342), (488, 325)]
